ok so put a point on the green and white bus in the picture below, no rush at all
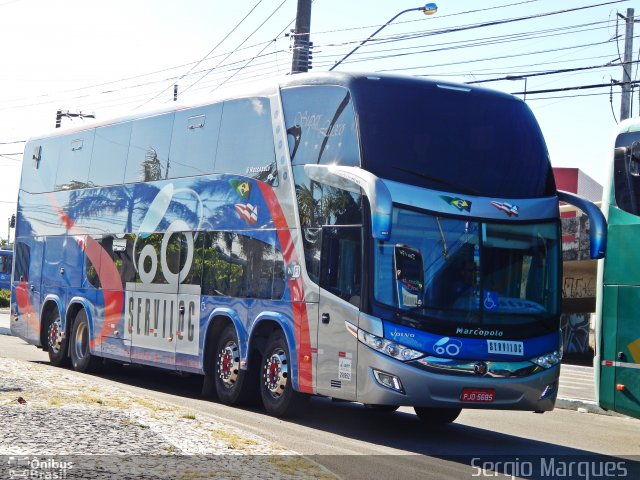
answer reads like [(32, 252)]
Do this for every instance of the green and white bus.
[(617, 360)]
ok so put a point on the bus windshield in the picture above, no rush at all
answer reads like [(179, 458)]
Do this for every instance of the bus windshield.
[(489, 273), (452, 140)]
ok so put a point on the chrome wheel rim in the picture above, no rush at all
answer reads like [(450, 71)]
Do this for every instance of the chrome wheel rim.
[(276, 373), (229, 364), (55, 335)]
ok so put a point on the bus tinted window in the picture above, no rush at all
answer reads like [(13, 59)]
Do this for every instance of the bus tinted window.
[(149, 149), (74, 160), (194, 141), (626, 174), (245, 145), (452, 140), (40, 165), (23, 258), (110, 150), (320, 125)]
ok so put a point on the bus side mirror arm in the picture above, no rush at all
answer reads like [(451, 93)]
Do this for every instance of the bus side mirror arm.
[(597, 222), (354, 179)]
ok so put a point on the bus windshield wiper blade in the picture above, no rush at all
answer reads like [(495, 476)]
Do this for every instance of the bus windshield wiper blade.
[(442, 181)]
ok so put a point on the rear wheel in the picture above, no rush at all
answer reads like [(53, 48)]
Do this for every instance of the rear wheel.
[(81, 357), (437, 416), (278, 396), (232, 384), (56, 342)]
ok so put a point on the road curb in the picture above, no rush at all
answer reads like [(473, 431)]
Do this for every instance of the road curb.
[(585, 406)]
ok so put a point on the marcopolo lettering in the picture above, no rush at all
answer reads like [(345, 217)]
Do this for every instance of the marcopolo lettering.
[(479, 332)]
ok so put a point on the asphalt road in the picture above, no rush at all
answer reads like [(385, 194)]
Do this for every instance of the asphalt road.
[(356, 443)]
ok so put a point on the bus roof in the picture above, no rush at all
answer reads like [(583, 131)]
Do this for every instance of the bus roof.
[(270, 86)]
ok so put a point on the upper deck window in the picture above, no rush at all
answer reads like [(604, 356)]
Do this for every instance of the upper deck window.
[(455, 140), (245, 144), (320, 125)]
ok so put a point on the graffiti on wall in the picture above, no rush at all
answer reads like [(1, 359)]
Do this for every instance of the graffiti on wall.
[(575, 332), (579, 286)]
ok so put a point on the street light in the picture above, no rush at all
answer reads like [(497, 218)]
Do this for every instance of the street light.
[(428, 9), (519, 77)]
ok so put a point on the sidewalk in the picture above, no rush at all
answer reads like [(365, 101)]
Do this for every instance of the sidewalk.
[(57, 423), (564, 402)]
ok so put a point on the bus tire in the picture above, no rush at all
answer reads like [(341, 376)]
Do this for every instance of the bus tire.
[(437, 416), (56, 341), (276, 389), (81, 358), (233, 385)]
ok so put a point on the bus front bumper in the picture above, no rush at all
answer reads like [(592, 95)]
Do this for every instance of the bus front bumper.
[(386, 381)]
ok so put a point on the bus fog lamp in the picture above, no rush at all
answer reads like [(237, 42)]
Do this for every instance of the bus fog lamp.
[(388, 381)]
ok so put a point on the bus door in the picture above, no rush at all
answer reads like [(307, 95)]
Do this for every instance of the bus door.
[(627, 381), (340, 281), (25, 308)]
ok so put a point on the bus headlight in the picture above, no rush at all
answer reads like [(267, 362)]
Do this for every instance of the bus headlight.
[(392, 349), (548, 360)]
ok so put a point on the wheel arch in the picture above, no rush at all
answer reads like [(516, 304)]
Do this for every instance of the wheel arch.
[(218, 320), (50, 304), (75, 305), (265, 324)]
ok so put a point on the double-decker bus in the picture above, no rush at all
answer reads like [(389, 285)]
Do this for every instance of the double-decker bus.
[(6, 260), (385, 240), (617, 359)]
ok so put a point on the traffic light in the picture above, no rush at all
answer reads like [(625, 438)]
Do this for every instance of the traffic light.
[(12, 221)]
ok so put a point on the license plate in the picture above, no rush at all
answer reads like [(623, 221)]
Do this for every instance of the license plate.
[(477, 395)]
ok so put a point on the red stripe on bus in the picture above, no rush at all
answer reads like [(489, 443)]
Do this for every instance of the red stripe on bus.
[(108, 274), (26, 309), (299, 307)]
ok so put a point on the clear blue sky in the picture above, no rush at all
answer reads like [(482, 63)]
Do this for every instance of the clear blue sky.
[(111, 58)]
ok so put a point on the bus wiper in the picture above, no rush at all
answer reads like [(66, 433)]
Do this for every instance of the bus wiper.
[(456, 188)]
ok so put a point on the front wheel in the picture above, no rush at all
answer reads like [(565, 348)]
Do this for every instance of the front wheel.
[(232, 384), (57, 342), (81, 357), (278, 396), (437, 416)]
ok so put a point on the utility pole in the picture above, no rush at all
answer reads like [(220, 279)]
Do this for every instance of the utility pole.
[(300, 62), (60, 114), (625, 102)]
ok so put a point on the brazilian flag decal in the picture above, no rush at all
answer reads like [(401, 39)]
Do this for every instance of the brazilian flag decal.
[(460, 203), (242, 187)]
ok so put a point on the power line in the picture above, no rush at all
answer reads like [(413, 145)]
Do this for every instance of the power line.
[(210, 51), (549, 72), (242, 43)]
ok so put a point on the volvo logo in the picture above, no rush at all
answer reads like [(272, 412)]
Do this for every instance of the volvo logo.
[(480, 369)]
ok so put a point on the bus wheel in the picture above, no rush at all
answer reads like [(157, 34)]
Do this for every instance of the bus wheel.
[(278, 396), (381, 408), (232, 384), (57, 342), (437, 416), (81, 357)]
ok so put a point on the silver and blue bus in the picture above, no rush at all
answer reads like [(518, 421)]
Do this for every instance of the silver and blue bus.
[(386, 240)]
